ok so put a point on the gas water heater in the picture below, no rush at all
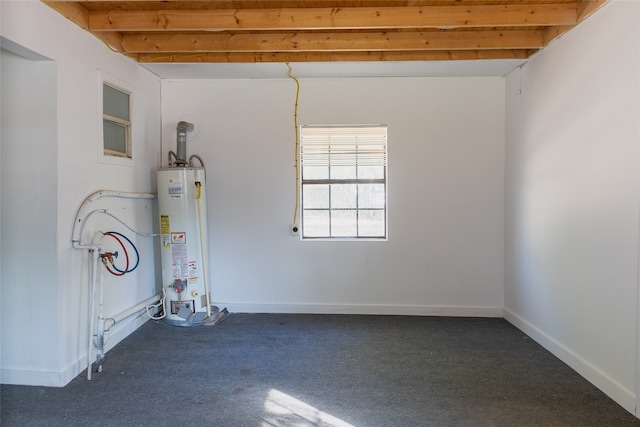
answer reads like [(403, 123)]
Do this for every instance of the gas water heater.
[(183, 227)]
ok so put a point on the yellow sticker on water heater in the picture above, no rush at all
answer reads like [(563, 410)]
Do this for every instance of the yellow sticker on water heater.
[(164, 224), (165, 230)]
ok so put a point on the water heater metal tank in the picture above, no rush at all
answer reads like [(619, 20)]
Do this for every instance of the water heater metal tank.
[(183, 227)]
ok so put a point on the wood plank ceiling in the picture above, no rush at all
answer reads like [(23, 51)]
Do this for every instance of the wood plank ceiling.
[(325, 30)]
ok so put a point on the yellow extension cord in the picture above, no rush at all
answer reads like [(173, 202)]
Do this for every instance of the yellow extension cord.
[(295, 124)]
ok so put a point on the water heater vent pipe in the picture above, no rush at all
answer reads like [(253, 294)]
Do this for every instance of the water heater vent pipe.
[(183, 129)]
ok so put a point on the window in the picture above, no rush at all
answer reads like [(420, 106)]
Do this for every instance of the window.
[(116, 121), (344, 182)]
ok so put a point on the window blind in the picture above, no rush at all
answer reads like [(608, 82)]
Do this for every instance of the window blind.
[(343, 146)]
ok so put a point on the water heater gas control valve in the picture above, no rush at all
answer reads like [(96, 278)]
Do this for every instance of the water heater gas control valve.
[(179, 285)]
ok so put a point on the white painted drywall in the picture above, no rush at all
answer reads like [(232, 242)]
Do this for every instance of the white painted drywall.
[(29, 212), (572, 186), (45, 297), (446, 163)]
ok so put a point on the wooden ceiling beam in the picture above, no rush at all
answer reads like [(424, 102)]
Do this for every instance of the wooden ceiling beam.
[(71, 10), (584, 8), (79, 15), (334, 18), (255, 57), (325, 30), (318, 42)]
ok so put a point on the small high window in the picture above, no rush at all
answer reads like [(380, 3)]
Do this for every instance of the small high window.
[(344, 182), (116, 121)]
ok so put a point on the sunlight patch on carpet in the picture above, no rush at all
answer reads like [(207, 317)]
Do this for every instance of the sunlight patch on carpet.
[(284, 410)]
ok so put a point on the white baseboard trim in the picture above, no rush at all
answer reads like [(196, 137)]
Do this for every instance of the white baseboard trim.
[(40, 378), (59, 379), (624, 397), (374, 309)]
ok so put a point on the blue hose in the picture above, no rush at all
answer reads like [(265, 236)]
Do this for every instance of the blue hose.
[(134, 248)]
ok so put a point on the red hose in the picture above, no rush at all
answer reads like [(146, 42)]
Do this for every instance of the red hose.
[(126, 254)]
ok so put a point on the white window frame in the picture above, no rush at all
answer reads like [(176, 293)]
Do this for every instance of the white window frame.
[(105, 155), (314, 156)]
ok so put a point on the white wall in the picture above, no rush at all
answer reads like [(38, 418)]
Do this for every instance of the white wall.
[(29, 211), (446, 164), (572, 186), (45, 297)]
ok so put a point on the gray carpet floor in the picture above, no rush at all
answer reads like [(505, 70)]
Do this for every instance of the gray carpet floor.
[(260, 370)]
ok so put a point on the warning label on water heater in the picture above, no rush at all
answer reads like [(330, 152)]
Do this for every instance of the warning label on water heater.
[(179, 259), (165, 230), (179, 238), (193, 270)]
